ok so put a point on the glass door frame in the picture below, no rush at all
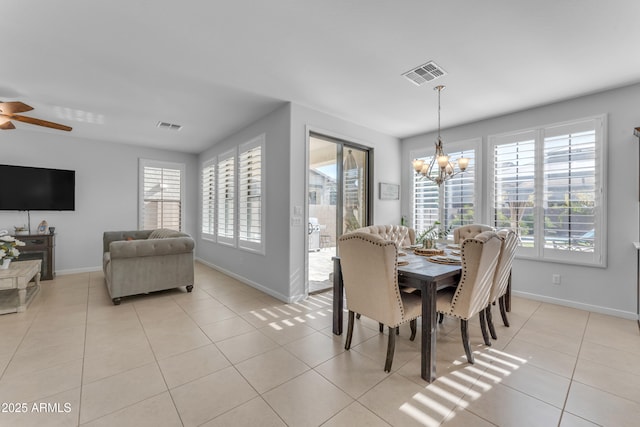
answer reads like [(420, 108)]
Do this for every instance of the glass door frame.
[(342, 144)]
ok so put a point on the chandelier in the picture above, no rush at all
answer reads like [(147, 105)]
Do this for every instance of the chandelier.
[(440, 168)]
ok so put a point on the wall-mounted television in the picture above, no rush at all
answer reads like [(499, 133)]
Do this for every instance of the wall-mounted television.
[(36, 189)]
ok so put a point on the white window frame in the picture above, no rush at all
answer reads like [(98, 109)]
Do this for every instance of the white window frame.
[(144, 163), (209, 232), (597, 258), (474, 144), (251, 245), (222, 238)]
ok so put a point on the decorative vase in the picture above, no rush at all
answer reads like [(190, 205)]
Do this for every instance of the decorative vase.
[(429, 244), (5, 264)]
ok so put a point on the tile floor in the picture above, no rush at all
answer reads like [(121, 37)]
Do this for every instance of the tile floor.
[(228, 354)]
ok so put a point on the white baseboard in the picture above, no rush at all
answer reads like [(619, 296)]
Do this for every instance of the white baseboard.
[(253, 284), (78, 270), (581, 306)]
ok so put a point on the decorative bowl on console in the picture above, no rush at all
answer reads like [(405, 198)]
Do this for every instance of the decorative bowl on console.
[(21, 231)]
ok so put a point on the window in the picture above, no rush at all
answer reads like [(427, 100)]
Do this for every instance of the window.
[(161, 195), (454, 202), (548, 185), (226, 197), (232, 197), (250, 213), (209, 199)]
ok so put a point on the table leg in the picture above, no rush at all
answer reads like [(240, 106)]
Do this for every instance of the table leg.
[(338, 297), (428, 344)]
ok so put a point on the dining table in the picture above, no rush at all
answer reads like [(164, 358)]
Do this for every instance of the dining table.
[(415, 271)]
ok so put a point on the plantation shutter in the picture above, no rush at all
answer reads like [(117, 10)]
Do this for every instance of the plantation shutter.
[(460, 194), (571, 187), (162, 196), (250, 216), (454, 202), (226, 198), (208, 198), (514, 185), (426, 201)]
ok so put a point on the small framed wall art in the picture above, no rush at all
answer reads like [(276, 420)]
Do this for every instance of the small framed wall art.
[(389, 191)]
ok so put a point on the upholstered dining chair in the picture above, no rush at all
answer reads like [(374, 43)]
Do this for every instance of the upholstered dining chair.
[(502, 277), (370, 275), (401, 235), (468, 231), (479, 260)]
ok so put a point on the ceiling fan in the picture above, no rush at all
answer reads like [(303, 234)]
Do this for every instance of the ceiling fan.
[(9, 110)]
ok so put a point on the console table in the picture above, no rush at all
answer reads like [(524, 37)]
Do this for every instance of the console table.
[(40, 247), (16, 291)]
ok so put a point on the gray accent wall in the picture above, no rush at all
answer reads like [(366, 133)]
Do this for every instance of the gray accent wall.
[(106, 190), (611, 290)]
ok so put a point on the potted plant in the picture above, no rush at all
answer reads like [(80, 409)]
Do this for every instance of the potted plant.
[(431, 235)]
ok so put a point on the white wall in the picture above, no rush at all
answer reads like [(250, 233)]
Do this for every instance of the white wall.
[(609, 290), (106, 190), (267, 272)]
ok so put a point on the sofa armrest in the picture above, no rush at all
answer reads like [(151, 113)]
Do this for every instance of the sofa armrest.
[(151, 247), (114, 236)]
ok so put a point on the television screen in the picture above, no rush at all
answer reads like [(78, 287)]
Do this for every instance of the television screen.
[(37, 189)]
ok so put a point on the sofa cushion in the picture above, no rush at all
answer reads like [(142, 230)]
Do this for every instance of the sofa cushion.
[(163, 233)]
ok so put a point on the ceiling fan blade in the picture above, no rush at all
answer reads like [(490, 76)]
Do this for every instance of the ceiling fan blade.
[(14, 107), (40, 122), (7, 125)]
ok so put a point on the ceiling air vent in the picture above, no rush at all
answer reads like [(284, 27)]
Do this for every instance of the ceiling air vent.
[(425, 73), (170, 126)]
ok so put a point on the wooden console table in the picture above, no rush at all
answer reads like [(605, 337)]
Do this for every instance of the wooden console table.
[(42, 247), (15, 290)]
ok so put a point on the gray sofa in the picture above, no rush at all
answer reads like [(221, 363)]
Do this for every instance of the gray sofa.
[(142, 261)]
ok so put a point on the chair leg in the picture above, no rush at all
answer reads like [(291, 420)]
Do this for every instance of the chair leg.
[(492, 328), (465, 340), (347, 344), (412, 325), (358, 316), (380, 327), (503, 310), (440, 317), (398, 330), (391, 349), (483, 328)]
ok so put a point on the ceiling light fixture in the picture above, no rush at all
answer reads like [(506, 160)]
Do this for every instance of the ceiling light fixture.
[(440, 168)]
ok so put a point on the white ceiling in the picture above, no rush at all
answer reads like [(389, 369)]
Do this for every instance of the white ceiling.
[(112, 69)]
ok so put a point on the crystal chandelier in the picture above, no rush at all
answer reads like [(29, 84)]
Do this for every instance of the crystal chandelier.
[(440, 168)]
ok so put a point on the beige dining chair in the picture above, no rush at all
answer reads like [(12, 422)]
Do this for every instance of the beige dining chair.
[(370, 276), (502, 277), (479, 260), (468, 231), (401, 235)]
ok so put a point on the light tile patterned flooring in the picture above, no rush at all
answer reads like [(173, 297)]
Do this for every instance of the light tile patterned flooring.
[(228, 354)]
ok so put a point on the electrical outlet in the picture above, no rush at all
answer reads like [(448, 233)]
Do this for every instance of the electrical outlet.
[(555, 279)]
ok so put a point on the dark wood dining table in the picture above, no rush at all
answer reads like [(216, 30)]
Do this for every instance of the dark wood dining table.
[(419, 273)]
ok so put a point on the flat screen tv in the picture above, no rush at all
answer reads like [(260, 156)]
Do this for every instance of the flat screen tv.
[(37, 189)]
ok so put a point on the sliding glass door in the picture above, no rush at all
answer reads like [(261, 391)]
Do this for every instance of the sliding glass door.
[(338, 201)]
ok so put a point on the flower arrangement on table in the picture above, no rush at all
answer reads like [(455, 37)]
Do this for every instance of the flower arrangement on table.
[(8, 248)]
